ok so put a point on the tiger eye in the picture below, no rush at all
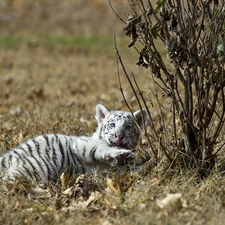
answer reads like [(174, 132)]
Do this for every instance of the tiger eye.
[(112, 125), (128, 127)]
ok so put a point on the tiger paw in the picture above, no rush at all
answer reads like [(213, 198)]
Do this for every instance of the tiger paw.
[(122, 158), (125, 159)]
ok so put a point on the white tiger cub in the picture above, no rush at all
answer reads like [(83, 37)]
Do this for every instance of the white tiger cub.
[(44, 158)]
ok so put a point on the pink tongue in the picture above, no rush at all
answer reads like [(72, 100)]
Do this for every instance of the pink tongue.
[(118, 141)]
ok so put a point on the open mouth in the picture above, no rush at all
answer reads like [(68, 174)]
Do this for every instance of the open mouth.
[(118, 143)]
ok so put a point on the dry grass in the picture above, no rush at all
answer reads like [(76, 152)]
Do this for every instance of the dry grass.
[(53, 88)]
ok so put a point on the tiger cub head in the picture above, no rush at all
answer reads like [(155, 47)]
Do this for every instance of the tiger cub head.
[(120, 128)]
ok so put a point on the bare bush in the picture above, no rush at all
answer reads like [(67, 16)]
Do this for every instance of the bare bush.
[(193, 35)]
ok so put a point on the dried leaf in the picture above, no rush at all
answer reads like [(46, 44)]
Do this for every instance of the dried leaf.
[(131, 30), (39, 192), (65, 178), (120, 185), (132, 21), (172, 203), (68, 191), (82, 203), (82, 186)]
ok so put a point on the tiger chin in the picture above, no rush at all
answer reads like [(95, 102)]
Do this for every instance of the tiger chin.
[(44, 158)]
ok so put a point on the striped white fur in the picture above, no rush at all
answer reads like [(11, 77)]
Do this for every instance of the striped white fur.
[(46, 157)]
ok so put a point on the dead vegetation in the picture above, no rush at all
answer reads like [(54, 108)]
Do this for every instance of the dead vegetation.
[(193, 83), (54, 90)]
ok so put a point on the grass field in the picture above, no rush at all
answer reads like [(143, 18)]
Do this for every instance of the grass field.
[(57, 62)]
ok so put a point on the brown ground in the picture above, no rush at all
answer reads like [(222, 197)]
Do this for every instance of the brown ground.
[(53, 86)]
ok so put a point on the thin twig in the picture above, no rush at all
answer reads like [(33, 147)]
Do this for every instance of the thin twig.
[(115, 12)]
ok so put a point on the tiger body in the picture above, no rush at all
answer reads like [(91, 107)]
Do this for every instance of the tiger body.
[(45, 157)]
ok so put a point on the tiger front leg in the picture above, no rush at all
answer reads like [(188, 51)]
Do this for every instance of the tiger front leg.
[(90, 150)]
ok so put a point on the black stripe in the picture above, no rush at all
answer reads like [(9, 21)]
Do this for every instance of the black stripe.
[(70, 160), (92, 153), (39, 164), (84, 152), (71, 170), (75, 165), (29, 148), (84, 139), (3, 162), (80, 166), (78, 163), (36, 172), (10, 158), (37, 145), (22, 148), (56, 137), (20, 156), (68, 164), (47, 149), (54, 160), (49, 174), (100, 133), (54, 153), (63, 152), (31, 164), (74, 159), (27, 171), (46, 137), (53, 172)]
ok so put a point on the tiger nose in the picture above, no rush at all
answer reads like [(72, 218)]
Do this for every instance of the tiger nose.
[(120, 136)]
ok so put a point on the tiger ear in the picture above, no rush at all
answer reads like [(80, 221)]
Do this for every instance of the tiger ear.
[(141, 117), (101, 112)]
